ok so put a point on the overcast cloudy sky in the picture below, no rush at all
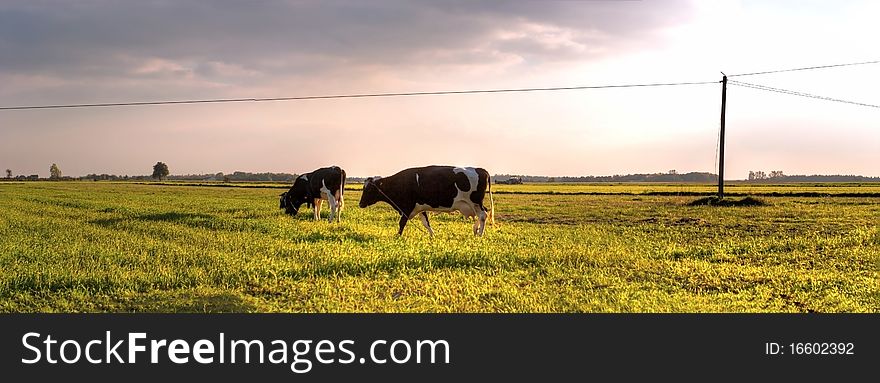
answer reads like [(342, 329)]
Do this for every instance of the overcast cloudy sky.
[(57, 52)]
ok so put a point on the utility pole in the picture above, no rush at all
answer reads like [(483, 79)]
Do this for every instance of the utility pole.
[(721, 139)]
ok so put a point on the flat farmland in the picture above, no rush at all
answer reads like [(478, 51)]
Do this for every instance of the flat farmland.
[(126, 247)]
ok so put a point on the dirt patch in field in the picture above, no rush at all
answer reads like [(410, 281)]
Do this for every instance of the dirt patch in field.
[(688, 221), (715, 201), (683, 221)]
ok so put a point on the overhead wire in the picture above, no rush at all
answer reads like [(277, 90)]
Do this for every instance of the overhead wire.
[(798, 93), (401, 94), (804, 68), (340, 96)]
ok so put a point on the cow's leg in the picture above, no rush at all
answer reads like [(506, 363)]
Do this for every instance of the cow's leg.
[(479, 216), (339, 203), (402, 224), (332, 202), (318, 203), (474, 213), (424, 217), (481, 223), (476, 227)]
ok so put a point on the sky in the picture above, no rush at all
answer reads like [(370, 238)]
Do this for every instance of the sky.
[(72, 52)]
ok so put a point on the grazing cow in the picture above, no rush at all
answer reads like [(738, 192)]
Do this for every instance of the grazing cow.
[(313, 188), (416, 191)]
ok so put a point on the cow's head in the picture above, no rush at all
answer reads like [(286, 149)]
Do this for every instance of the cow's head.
[(298, 194), (371, 192), (283, 200)]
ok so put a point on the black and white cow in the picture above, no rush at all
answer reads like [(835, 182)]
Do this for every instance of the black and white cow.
[(416, 191), (315, 187)]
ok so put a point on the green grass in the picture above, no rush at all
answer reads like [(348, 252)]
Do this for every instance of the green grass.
[(123, 247)]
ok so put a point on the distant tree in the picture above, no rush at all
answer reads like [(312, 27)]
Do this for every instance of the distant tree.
[(673, 172), (160, 171), (758, 175), (8, 173), (751, 175), (776, 174), (54, 172)]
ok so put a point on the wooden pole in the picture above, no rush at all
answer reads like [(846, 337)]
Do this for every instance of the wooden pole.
[(721, 139)]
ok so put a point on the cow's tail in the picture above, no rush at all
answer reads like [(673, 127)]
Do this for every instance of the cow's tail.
[(491, 203), (341, 192), (341, 183)]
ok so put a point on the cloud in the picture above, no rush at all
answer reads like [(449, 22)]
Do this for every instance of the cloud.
[(156, 67), (225, 42)]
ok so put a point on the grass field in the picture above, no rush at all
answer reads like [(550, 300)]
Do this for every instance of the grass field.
[(95, 246)]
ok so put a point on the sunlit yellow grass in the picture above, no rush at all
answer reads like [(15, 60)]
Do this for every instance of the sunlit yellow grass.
[(93, 246)]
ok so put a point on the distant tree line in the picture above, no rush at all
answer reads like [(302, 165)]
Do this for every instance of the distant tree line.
[(670, 176), (22, 177), (236, 176), (232, 177), (160, 172), (695, 177), (759, 176), (112, 177)]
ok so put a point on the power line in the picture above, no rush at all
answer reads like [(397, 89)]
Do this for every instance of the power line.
[(363, 95), (802, 94), (805, 68)]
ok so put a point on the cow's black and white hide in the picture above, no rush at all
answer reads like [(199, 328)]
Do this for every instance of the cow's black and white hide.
[(416, 191), (312, 189)]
